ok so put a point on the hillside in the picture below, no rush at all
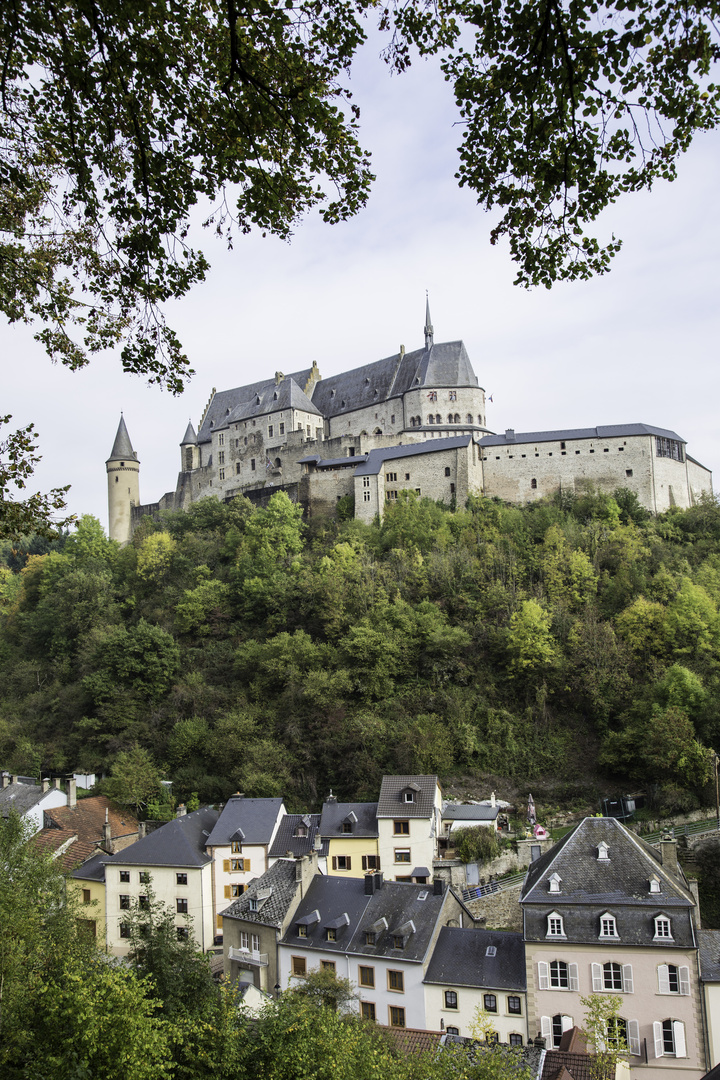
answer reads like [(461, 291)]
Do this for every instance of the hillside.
[(573, 645)]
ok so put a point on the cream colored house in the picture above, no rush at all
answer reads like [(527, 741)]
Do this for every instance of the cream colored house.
[(709, 943), (408, 819), (350, 832), (171, 865)]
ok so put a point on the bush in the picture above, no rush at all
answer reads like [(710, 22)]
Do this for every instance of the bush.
[(476, 844)]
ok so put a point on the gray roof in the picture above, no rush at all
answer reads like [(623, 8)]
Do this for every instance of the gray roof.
[(333, 463), (255, 817), (189, 436), (611, 431), (589, 887), (242, 402), (396, 902), (93, 869), (334, 814), (709, 943), (462, 812), (391, 803), (446, 364), (19, 797), (377, 458), (460, 958), (181, 842), (280, 878), (286, 840), (122, 447)]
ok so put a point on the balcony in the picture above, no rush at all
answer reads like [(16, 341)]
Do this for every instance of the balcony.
[(249, 956)]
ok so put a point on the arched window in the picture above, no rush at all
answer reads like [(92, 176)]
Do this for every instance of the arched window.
[(431, 419), (438, 419), (450, 419), (469, 418), (278, 463), (456, 419), (612, 977), (533, 483)]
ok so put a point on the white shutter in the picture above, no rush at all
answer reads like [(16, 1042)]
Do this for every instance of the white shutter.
[(546, 1029), (597, 979), (543, 975), (663, 980), (627, 979), (679, 1038), (633, 1037), (567, 1022), (658, 1037), (684, 973), (573, 976)]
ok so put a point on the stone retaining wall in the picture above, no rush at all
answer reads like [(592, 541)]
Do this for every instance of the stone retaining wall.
[(499, 911)]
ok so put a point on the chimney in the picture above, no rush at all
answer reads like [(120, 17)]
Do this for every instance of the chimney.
[(693, 886), (107, 831), (56, 783), (141, 830), (331, 797), (45, 784), (317, 842), (668, 853), (181, 810), (510, 434), (378, 880), (13, 778), (369, 884), (298, 869), (71, 792), (438, 886), (492, 799), (5, 778), (539, 1042)]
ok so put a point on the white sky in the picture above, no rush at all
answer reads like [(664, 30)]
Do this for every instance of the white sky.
[(637, 345)]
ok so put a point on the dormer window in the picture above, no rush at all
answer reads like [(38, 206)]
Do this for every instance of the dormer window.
[(603, 852), (370, 937), (302, 931), (608, 926), (409, 796), (330, 933), (347, 826), (301, 830), (555, 927), (398, 941), (654, 884), (554, 883), (254, 904), (663, 928)]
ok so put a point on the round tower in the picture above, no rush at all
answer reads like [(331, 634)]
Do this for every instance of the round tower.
[(123, 473)]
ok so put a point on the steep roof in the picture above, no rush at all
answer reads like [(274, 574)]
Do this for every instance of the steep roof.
[(335, 814), (709, 942), (254, 817), (181, 842), (611, 431), (226, 401), (122, 447), (491, 959), (189, 436), (280, 880), (391, 803), (273, 398), (286, 839), (93, 869), (20, 797), (377, 458), (332, 898), (81, 827)]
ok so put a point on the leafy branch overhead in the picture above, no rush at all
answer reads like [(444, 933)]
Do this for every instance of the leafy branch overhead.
[(118, 117)]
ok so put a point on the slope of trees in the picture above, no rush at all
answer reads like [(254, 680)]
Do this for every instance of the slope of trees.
[(237, 648)]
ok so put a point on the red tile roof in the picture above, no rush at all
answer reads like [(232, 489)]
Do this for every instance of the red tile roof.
[(413, 1040), (81, 829)]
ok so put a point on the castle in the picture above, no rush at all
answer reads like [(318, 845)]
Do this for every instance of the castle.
[(414, 421)]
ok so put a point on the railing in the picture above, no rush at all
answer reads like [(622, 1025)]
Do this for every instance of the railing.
[(692, 828), (249, 956), (479, 892)]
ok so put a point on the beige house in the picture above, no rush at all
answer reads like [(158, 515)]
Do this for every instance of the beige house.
[(408, 819), (350, 832), (605, 913), (709, 943)]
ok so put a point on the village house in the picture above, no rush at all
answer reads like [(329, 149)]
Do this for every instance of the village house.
[(350, 831), (408, 820)]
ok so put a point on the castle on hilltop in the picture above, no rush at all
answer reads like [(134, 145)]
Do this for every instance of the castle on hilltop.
[(414, 421)]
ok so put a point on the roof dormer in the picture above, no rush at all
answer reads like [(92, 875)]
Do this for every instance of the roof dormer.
[(654, 884), (603, 852), (410, 793), (554, 883)]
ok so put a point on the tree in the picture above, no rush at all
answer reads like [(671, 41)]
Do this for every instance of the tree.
[(605, 1034), (477, 843), (135, 780), (18, 458)]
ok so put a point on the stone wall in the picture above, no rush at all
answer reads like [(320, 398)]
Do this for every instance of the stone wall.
[(499, 911)]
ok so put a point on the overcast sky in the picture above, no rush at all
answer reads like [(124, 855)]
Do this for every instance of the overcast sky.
[(637, 345)]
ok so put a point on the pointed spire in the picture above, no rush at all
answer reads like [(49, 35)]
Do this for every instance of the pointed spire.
[(189, 436), (428, 324), (122, 447)]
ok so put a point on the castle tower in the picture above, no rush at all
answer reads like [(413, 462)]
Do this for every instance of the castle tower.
[(123, 473), (189, 452), (428, 324)]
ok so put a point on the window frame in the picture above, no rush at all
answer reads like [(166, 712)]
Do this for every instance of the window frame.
[(662, 923), (450, 999), (396, 1015), (608, 927), (366, 976), (181, 879), (181, 905), (367, 1011), (490, 1003), (298, 967), (511, 1011), (402, 855), (398, 976), (401, 827), (124, 877), (555, 925)]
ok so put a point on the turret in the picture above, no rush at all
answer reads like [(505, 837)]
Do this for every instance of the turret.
[(123, 473), (189, 450), (428, 324)]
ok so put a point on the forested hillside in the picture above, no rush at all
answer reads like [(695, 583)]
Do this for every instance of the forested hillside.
[(573, 642)]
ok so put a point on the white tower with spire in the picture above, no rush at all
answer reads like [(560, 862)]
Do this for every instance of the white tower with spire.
[(123, 474)]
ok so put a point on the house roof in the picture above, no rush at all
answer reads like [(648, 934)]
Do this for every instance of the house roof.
[(256, 818), (391, 802), (561, 1063), (93, 869), (412, 1040), (331, 897), (226, 401), (180, 842), (21, 798), (333, 463), (274, 397), (122, 447), (709, 943), (491, 959), (611, 431), (462, 812), (81, 827), (377, 458), (286, 840), (334, 814), (590, 886), (189, 437), (280, 878)]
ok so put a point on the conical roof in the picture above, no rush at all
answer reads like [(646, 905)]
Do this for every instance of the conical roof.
[(122, 447), (189, 436)]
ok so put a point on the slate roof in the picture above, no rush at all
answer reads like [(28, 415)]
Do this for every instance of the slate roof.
[(19, 797), (390, 802), (93, 869), (377, 458), (611, 431), (256, 818), (462, 812), (333, 463), (181, 842), (286, 840), (281, 879), (331, 897), (83, 826), (578, 1065), (460, 958), (189, 436), (226, 401), (122, 447), (709, 943), (446, 364), (590, 886), (334, 814)]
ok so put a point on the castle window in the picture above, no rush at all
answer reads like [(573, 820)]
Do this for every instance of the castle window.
[(533, 483), (562, 445), (308, 429), (447, 470), (407, 475), (237, 467), (392, 418), (391, 477), (470, 418), (457, 418), (252, 464), (577, 451), (366, 496), (437, 418), (628, 472), (452, 489), (278, 463), (432, 396), (390, 495), (453, 395), (431, 419), (366, 481), (221, 474), (117, 479), (282, 429), (450, 419), (221, 440), (270, 431), (221, 457)]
